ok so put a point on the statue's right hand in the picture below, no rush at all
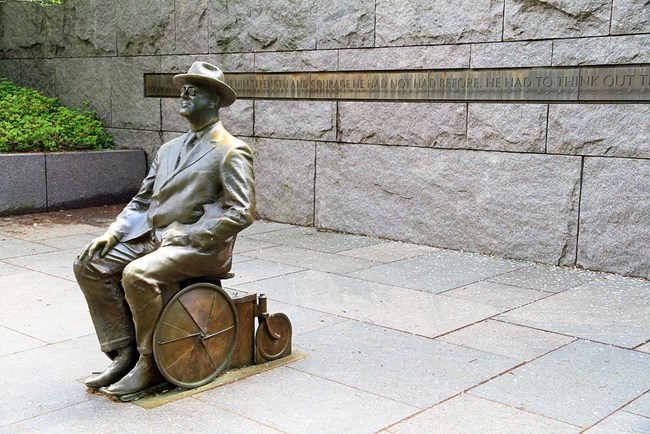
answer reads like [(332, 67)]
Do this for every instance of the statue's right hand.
[(106, 242)]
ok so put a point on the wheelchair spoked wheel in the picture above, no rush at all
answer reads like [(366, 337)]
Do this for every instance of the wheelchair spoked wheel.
[(195, 335)]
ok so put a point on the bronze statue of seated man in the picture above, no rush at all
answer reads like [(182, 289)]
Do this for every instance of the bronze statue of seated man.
[(198, 194)]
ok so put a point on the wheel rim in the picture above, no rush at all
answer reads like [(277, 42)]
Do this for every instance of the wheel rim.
[(195, 335)]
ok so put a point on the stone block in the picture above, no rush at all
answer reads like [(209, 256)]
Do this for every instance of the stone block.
[(130, 109), (79, 28), (139, 140), (407, 124), (630, 16), (511, 205), (307, 120), (602, 51), (235, 62), (618, 130), (257, 25), (22, 183), (615, 216), (291, 61), (238, 118), (87, 79), (192, 26), (562, 19), (284, 180), (433, 57), (23, 30), (145, 28), (414, 22), (93, 178), (10, 69), (512, 54), (507, 127), (39, 74), (171, 118)]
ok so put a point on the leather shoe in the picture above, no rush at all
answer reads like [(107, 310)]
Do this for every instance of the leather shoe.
[(145, 374), (124, 361)]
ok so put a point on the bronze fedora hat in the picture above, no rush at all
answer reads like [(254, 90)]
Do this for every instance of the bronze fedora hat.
[(211, 75)]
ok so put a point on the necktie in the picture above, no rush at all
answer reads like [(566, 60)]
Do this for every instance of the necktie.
[(186, 148)]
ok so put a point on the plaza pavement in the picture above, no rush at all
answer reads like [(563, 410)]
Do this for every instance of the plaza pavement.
[(399, 338)]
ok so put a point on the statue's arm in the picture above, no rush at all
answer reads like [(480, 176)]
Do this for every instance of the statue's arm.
[(238, 201)]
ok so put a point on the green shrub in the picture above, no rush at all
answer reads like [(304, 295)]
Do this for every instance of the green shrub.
[(31, 122)]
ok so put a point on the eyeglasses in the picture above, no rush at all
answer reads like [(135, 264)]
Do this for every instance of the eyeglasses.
[(191, 91)]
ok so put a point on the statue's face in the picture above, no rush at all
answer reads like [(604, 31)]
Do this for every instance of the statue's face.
[(197, 99)]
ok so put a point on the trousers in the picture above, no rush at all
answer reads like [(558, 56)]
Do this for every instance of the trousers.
[(125, 290)]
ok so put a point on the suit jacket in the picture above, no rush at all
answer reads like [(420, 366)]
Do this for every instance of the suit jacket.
[(209, 198)]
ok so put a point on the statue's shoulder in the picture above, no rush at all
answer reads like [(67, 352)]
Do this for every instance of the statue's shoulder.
[(221, 138)]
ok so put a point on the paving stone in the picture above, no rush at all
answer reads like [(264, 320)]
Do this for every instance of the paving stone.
[(438, 271), (513, 205), (45, 230), (507, 127), (44, 380), (304, 320), (644, 348), (284, 176), (407, 124), (257, 269), (100, 414), (13, 247), (468, 414), (423, 57), (12, 342), (610, 311), (415, 371), (613, 130), (243, 245), (561, 19), (628, 17), (414, 22), (302, 120), (610, 50), (615, 216), (262, 226), (311, 238), (511, 54), (58, 300), (69, 242), (57, 263), (580, 383), (6, 269), (640, 406), (305, 403), (389, 306), (388, 251), (622, 423), (546, 278), (520, 343), (312, 259), (495, 294)]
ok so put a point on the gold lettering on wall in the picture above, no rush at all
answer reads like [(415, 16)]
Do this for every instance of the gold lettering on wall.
[(552, 84)]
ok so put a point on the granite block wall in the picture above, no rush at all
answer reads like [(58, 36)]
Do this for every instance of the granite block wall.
[(555, 183)]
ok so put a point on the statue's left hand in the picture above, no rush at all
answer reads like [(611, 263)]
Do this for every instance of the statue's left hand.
[(106, 242)]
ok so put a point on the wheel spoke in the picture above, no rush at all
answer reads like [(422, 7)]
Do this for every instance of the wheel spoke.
[(180, 339), (217, 333)]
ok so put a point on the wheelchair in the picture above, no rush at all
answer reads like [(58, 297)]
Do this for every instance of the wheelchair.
[(203, 330)]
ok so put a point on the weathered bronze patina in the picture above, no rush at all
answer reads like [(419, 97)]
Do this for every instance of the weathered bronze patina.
[(180, 226)]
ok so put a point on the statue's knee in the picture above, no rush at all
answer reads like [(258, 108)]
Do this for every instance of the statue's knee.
[(135, 280), (83, 268)]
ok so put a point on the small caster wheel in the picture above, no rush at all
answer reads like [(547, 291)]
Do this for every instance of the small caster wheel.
[(273, 338)]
